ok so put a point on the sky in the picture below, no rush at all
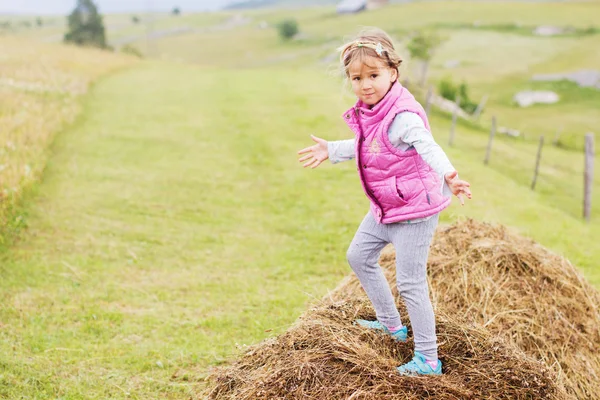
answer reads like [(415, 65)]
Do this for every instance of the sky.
[(42, 7)]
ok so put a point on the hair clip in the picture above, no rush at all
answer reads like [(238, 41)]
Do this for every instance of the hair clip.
[(379, 49)]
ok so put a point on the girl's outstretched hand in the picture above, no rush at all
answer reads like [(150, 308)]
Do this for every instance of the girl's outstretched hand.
[(458, 186), (315, 154)]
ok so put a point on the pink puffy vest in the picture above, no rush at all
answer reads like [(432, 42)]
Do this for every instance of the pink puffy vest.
[(400, 184)]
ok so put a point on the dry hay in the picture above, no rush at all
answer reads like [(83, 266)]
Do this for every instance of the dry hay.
[(520, 291), (524, 324), (523, 292), (324, 356)]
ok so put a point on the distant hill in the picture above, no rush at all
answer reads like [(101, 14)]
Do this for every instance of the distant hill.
[(246, 4)]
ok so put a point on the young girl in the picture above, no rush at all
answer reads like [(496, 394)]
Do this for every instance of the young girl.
[(408, 180)]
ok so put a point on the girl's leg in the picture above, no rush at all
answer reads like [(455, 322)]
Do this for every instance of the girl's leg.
[(412, 242), (363, 256)]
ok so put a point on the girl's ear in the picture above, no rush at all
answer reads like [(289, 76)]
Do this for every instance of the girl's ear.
[(394, 75)]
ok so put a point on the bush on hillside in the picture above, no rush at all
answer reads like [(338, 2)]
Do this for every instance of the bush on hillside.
[(288, 29), (450, 91), (86, 27)]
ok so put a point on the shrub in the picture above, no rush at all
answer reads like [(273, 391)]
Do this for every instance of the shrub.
[(288, 29), (86, 27), (449, 90)]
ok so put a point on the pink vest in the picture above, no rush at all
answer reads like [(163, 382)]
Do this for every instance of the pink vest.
[(400, 184)]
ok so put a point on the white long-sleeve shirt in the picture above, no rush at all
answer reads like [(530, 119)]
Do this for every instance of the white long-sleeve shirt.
[(407, 131)]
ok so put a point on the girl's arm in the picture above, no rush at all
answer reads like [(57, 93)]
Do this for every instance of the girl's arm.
[(408, 130), (340, 150)]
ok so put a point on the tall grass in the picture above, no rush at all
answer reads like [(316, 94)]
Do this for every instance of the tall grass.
[(39, 89)]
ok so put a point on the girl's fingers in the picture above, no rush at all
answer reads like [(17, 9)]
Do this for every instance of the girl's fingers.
[(459, 187), (305, 150), (309, 162), (316, 139), (317, 164), (466, 192), (306, 157), (461, 183)]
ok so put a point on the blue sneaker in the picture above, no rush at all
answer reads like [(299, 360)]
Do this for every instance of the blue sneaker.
[(418, 366), (400, 335)]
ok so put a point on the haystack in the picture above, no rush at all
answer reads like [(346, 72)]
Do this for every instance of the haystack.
[(518, 290), (324, 356), (514, 321)]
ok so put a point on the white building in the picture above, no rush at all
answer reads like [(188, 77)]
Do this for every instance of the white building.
[(356, 6)]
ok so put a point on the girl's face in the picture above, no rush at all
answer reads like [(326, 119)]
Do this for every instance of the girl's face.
[(371, 80)]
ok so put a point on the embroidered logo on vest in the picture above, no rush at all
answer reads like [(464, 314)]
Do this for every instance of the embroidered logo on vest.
[(374, 147)]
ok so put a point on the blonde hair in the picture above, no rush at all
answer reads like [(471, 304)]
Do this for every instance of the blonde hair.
[(370, 42)]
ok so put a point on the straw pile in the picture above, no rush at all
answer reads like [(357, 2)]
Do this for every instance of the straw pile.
[(514, 321), (324, 356), (531, 297), (520, 291)]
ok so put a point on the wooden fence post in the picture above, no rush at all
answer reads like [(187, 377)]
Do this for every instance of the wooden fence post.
[(428, 100), (454, 116), (556, 136), (537, 162), (588, 176), (489, 146), (479, 108)]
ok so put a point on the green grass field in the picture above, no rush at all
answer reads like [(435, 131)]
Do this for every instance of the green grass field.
[(173, 224), (493, 42)]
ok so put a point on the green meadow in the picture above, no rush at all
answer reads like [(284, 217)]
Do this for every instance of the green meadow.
[(172, 224)]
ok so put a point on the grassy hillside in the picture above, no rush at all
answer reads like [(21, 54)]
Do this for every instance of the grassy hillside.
[(250, 4), (174, 224), (39, 89), (497, 55), (493, 43)]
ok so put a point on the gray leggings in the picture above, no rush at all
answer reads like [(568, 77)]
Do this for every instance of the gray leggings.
[(411, 242)]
